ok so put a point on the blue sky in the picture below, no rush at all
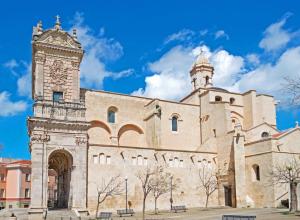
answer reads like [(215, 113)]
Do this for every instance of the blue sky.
[(147, 47)]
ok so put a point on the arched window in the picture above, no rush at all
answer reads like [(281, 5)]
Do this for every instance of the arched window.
[(256, 173), (170, 162), (265, 134), (174, 123), (134, 161), (102, 158), (176, 162), (218, 99), (140, 160), (111, 115), (145, 161), (206, 80), (232, 101), (108, 160), (95, 159)]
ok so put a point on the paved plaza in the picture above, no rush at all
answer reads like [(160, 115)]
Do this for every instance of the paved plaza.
[(191, 214)]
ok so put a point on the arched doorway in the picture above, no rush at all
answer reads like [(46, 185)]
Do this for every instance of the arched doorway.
[(59, 179)]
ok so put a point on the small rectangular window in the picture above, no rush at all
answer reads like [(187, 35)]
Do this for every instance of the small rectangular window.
[(2, 177), (171, 162), (95, 159), (2, 193), (102, 159), (181, 163), (108, 160), (27, 177), (27, 193), (57, 96), (145, 161), (133, 161)]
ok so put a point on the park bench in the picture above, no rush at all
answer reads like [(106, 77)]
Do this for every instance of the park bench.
[(122, 212), (105, 215), (178, 208), (238, 217)]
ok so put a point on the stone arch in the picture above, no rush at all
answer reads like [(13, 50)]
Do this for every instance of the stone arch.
[(131, 135), (99, 132), (61, 161), (236, 118)]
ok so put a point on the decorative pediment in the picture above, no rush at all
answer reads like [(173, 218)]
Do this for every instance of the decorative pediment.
[(58, 38)]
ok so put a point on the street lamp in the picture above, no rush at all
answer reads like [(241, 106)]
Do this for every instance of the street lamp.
[(171, 197), (126, 191)]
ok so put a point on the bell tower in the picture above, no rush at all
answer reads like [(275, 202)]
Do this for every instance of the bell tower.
[(58, 127), (202, 72), (56, 57)]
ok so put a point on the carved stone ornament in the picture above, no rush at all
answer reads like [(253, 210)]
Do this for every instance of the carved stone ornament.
[(75, 64), (40, 59), (58, 38), (80, 140), (57, 41), (58, 73), (39, 138)]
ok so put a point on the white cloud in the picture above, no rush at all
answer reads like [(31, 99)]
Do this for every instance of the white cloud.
[(203, 32), (24, 82), (171, 79), (22, 71), (182, 35), (98, 50), (11, 64), (221, 34), (227, 68), (253, 59), (269, 78), (275, 36), (10, 108)]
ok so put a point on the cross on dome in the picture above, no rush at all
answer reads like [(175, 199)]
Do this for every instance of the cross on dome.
[(202, 58), (57, 23)]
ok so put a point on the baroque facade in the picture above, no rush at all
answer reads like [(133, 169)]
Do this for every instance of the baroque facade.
[(86, 136)]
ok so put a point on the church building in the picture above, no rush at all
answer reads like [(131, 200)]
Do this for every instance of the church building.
[(87, 136)]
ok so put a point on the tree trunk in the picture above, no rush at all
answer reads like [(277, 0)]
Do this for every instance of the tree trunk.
[(206, 202), (144, 206), (294, 201), (97, 209), (155, 202)]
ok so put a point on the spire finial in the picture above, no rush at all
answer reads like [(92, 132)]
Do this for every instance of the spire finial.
[(202, 59), (75, 34), (57, 23), (39, 27)]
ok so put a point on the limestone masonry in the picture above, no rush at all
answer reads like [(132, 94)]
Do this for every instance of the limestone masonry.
[(86, 136)]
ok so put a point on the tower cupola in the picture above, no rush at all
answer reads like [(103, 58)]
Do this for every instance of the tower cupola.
[(202, 72)]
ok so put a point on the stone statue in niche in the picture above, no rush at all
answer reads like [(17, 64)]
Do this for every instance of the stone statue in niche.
[(58, 73)]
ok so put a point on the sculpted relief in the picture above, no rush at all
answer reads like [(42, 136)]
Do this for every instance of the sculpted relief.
[(58, 72)]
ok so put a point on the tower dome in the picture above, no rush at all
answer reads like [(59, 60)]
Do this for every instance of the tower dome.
[(202, 72)]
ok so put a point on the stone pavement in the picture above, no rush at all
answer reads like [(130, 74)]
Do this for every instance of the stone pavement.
[(191, 214)]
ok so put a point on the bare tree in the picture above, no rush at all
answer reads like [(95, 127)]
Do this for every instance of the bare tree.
[(288, 173), (161, 184), (145, 178), (208, 180), (108, 189), (292, 87)]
